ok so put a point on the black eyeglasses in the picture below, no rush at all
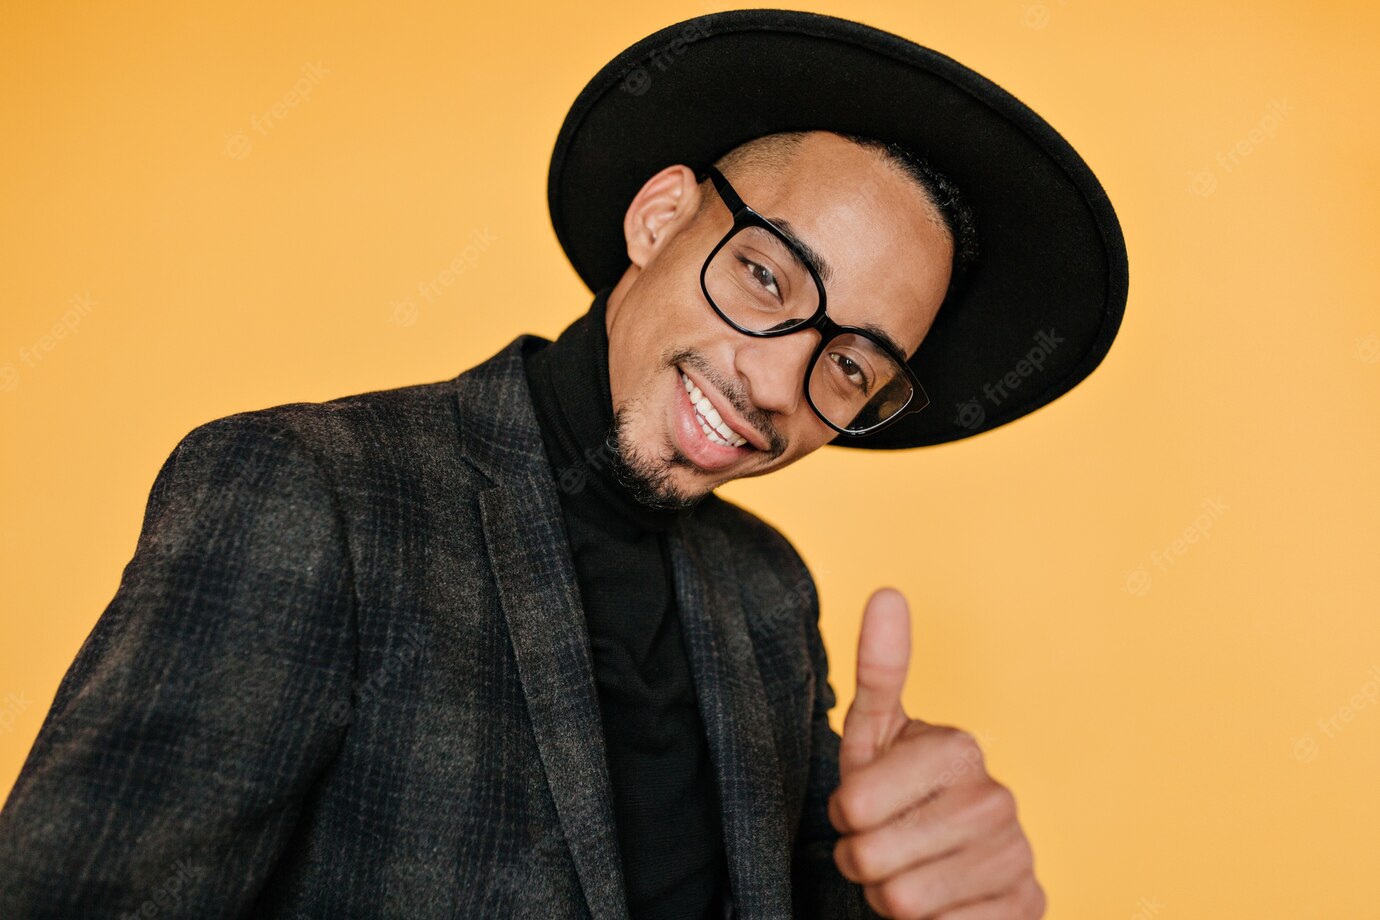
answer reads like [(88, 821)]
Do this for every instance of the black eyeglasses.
[(763, 284)]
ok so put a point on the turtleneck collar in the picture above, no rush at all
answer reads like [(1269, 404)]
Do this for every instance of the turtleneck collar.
[(569, 381)]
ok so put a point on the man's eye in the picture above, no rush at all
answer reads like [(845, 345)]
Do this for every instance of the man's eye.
[(762, 275), (853, 371)]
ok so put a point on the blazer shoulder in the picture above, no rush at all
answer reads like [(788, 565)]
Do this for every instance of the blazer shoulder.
[(378, 439), (413, 410), (404, 423)]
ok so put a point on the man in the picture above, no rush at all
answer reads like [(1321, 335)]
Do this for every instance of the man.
[(492, 646)]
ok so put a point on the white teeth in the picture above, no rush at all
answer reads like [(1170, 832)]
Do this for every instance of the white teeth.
[(713, 436), (715, 429), (713, 424)]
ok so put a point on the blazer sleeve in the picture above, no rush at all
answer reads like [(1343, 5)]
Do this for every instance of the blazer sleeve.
[(173, 762), (820, 892)]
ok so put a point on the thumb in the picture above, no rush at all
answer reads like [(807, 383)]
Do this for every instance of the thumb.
[(875, 716)]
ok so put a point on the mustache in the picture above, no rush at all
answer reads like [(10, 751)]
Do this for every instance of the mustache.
[(750, 413)]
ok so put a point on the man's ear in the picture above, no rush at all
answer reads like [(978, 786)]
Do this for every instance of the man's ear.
[(664, 204)]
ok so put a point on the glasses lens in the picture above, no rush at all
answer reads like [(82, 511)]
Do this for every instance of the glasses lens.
[(858, 386), (757, 282)]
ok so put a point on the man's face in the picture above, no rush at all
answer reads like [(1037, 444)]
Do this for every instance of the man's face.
[(889, 257)]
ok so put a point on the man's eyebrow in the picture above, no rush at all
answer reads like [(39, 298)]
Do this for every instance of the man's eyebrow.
[(824, 271), (811, 257), (882, 334)]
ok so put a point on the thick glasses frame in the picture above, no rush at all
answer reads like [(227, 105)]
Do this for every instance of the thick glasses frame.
[(744, 216)]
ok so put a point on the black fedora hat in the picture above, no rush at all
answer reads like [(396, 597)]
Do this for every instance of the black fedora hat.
[(1040, 306)]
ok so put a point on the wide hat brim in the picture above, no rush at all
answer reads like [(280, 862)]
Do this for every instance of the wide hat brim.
[(1045, 298)]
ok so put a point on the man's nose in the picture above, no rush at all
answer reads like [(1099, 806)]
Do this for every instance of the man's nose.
[(774, 370)]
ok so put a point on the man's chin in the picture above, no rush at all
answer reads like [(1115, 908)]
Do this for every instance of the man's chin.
[(658, 484)]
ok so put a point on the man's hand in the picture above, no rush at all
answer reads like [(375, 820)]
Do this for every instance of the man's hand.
[(926, 832)]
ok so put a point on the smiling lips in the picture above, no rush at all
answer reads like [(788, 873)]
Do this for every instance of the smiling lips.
[(705, 437), (713, 425)]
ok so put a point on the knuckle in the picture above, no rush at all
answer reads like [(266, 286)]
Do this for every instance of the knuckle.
[(1014, 862), (843, 858), (872, 894), (849, 802), (1025, 855), (1033, 900), (1002, 802), (899, 900), (911, 897), (863, 860), (964, 746)]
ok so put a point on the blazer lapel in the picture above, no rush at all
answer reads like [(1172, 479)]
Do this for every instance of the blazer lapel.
[(530, 556), (733, 705)]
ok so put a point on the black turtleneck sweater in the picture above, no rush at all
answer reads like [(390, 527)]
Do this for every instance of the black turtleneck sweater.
[(666, 806)]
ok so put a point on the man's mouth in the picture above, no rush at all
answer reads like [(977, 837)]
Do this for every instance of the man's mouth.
[(714, 427)]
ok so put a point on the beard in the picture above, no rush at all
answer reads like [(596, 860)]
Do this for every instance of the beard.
[(649, 480)]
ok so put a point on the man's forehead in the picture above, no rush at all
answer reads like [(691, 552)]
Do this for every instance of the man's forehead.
[(850, 234)]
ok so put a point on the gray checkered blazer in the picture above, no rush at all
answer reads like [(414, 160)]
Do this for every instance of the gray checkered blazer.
[(346, 674)]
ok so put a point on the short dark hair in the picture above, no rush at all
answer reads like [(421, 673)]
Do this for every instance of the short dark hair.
[(773, 152)]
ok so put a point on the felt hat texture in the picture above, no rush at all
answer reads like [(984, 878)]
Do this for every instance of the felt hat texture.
[(1040, 306)]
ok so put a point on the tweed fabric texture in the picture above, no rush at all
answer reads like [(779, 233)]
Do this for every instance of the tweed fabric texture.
[(347, 674)]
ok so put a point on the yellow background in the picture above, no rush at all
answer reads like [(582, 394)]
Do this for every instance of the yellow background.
[(1193, 737)]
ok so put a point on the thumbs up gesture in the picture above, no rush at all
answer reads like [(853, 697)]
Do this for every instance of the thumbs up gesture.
[(925, 830)]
